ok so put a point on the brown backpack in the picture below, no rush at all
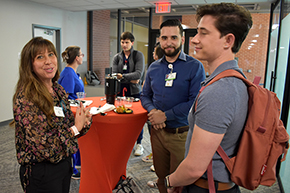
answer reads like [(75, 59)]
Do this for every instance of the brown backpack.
[(263, 139)]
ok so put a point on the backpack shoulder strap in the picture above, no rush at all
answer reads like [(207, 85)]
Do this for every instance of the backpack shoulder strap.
[(221, 152), (230, 73), (226, 73)]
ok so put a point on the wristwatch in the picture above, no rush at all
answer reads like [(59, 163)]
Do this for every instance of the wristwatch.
[(166, 183)]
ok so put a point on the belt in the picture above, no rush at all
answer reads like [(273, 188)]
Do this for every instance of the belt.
[(203, 183), (176, 130)]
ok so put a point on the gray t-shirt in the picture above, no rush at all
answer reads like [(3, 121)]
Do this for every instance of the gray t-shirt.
[(222, 108)]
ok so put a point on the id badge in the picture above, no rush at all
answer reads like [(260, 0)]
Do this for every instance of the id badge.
[(125, 67), (169, 83), (58, 111), (172, 76)]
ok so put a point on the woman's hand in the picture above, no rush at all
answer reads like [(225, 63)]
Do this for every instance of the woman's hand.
[(82, 117), (88, 116)]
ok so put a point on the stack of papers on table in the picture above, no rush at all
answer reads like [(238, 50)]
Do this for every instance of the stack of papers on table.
[(106, 108)]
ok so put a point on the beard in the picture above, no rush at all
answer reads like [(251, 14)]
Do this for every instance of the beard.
[(172, 54)]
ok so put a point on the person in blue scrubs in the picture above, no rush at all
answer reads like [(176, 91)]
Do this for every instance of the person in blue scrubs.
[(72, 83), (69, 78)]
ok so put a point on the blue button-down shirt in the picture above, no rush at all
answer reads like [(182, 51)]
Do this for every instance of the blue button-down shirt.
[(177, 99)]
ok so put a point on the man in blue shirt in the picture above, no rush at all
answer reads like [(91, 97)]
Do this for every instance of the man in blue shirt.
[(170, 88)]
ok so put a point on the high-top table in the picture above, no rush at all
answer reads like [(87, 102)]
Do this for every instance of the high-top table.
[(107, 146)]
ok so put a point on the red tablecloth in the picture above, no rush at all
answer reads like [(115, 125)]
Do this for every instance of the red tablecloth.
[(106, 148)]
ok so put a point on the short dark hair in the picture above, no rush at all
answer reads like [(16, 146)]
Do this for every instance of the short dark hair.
[(127, 35), (230, 18), (172, 23)]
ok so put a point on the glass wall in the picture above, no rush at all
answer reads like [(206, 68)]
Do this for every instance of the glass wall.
[(273, 46), (282, 58), (282, 63), (139, 31)]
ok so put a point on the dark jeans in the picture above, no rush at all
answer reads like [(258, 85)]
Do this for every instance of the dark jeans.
[(195, 189), (46, 177), (140, 137)]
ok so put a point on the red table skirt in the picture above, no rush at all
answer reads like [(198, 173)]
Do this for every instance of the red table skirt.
[(106, 148)]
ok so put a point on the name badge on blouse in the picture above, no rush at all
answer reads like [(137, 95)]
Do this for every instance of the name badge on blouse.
[(58, 111), (125, 67)]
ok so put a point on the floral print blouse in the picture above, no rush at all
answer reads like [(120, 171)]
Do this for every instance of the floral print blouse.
[(36, 140)]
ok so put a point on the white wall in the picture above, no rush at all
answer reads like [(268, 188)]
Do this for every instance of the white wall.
[(16, 19)]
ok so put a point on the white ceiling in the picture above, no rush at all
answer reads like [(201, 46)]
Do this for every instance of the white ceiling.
[(113, 5)]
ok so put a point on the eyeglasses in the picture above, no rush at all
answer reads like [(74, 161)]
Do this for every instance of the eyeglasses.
[(82, 55)]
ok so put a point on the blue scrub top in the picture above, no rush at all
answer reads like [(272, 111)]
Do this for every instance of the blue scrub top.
[(71, 82)]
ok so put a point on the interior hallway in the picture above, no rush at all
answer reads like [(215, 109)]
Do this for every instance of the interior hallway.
[(139, 170)]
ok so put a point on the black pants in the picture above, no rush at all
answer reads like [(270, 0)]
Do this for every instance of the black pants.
[(195, 189), (47, 177)]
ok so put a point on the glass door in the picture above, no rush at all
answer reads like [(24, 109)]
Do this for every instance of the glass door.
[(189, 33), (154, 36), (283, 86), (273, 45), (282, 56)]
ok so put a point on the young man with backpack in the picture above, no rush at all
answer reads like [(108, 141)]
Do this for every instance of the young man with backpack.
[(220, 111)]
